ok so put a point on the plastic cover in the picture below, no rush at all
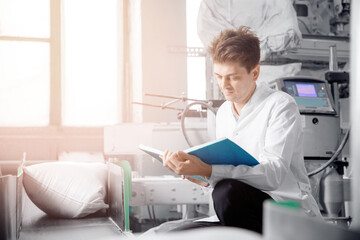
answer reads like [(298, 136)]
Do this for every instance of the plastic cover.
[(273, 21)]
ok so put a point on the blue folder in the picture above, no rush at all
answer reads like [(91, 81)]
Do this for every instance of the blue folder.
[(220, 152)]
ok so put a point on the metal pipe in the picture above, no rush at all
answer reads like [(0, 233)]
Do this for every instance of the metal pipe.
[(333, 62)]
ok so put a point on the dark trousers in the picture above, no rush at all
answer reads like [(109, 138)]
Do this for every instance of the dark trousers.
[(236, 204)]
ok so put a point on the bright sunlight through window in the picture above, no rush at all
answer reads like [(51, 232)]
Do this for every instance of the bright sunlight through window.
[(24, 18), (24, 63), (196, 84), (24, 83), (90, 51)]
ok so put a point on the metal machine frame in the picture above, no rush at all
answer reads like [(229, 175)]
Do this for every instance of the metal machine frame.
[(21, 219)]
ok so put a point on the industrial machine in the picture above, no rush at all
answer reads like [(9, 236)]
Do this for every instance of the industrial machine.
[(327, 18), (319, 119), (322, 132), (158, 194)]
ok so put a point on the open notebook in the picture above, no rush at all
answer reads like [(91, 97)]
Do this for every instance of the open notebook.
[(219, 152)]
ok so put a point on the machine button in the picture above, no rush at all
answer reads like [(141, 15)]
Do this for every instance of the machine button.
[(315, 120)]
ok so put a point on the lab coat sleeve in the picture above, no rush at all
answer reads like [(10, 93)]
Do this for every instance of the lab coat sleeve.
[(281, 140)]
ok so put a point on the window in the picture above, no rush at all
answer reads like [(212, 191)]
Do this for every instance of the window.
[(24, 18), (90, 63), (196, 72), (59, 74), (24, 83), (24, 62)]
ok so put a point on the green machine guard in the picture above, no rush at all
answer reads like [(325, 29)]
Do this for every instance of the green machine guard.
[(125, 165)]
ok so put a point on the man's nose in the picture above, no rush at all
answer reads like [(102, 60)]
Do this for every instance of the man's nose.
[(225, 83)]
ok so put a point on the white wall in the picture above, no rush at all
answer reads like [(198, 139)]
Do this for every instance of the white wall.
[(47, 143), (154, 68)]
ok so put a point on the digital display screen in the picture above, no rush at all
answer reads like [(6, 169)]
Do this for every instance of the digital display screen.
[(306, 90), (310, 96)]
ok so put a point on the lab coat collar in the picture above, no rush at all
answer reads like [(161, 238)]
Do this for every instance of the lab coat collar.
[(236, 116), (257, 96)]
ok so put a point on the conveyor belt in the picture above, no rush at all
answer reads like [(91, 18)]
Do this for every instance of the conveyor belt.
[(37, 225)]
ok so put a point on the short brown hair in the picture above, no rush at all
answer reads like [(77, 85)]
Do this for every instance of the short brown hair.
[(240, 45)]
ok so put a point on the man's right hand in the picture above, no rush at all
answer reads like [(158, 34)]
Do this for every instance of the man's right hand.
[(186, 164), (199, 182)]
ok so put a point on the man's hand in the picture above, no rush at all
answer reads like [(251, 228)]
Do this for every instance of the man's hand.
[(199, 182), (186, 164)]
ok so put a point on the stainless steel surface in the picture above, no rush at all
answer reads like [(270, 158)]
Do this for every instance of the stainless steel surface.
[(355, 112), (116, 195), (166, 190), (37, 225), (10, 206), (332, 192), (333, 63), (321, 123), (317, 49), (321, 135)]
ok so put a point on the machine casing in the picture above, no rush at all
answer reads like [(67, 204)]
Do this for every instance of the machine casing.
[(320, 120)]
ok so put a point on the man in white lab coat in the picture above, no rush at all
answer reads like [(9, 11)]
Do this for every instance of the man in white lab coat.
[(264, 122)]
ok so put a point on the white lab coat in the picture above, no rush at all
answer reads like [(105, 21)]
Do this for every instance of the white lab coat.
[(269, 128)]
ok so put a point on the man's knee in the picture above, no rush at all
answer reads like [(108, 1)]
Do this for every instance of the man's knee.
[(238, 204), (229, 188)]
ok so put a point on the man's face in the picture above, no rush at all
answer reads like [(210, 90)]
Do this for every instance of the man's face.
[(235, 82)]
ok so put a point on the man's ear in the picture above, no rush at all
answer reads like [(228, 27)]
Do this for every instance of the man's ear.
[(256, 72)]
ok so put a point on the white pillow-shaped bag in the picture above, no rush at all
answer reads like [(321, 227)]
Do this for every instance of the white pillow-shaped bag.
[(67, 189)]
